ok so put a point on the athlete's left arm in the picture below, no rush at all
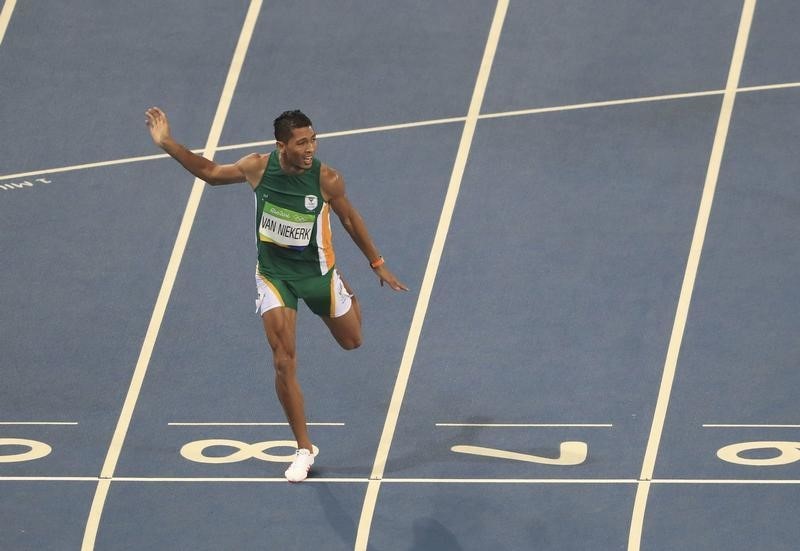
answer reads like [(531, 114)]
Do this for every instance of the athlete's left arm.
[(333, 191)]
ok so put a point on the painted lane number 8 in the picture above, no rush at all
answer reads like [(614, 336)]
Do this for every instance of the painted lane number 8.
[(35, 450)]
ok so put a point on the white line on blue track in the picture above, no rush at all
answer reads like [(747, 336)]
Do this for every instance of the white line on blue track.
[(417, 124), (181, 240), (251, 424), (317, 480), (732, 426), (443, 227), (690, 275), (14, 423), (528, 425), (5, 17)]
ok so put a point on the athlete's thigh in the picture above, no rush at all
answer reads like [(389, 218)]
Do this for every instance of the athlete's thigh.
[(280, 327), (346, 329), (277, 306)]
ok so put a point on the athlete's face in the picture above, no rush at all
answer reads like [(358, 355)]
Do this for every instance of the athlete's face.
[(298, 152)]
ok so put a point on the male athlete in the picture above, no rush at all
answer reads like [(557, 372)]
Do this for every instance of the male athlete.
[(295, 193)]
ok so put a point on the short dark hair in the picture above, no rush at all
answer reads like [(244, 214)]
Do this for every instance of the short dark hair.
[(288, 121)]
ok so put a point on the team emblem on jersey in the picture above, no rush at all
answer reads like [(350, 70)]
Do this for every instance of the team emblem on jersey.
[(311, 202)]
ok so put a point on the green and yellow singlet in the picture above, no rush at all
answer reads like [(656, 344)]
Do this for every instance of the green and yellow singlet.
[(293, 230)]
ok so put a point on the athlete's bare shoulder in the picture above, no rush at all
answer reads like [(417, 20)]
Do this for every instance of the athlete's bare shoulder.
[(254, 160), (253, 166), (331, 182)]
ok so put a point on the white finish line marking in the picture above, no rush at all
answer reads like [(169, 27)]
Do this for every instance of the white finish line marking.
[(690, 275), (170, 275), (313, 480)]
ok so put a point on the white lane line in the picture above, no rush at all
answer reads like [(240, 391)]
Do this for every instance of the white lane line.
[(95, 512), (14, 423), (181, 240), (368, 509), (597, 104), (251, 145), (711, 426), (282, 481), (5, 17), (527, 425), (690, 275), (765, 87), (254, 424), (367, 130), (248, 145), (99, 164)]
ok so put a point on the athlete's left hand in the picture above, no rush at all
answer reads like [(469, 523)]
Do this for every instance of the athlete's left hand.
[(386, 276), (158, 124)]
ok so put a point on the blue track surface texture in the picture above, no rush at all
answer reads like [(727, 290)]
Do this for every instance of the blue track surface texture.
[(539, 187)]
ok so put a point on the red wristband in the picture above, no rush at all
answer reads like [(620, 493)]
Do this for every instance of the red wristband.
[(376, 263)]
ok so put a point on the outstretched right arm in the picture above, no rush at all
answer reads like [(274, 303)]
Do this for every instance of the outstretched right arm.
[(200, 167)]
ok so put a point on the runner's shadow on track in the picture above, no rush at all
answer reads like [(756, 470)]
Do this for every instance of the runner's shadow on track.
[(431, 447), (337, 515), (434, 447), (429, 533)]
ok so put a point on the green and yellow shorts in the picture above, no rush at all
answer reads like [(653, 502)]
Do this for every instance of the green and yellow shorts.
[(325, 295)]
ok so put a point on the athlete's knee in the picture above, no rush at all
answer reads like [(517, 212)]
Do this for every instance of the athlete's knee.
[(351, 342), (284, 364)]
